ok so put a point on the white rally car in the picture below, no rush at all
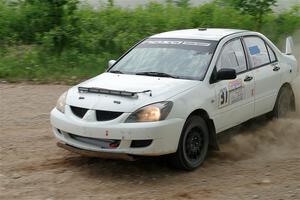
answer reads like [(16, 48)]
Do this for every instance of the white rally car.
[(173, 92)]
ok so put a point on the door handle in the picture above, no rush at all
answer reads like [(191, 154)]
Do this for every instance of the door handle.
[(248, 78), (276, 68)]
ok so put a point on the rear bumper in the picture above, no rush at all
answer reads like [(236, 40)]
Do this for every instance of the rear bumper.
[(164, 134)]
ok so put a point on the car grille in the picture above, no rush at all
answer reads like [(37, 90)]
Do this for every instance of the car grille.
[(103, 143), (79, 112), (102, 115)]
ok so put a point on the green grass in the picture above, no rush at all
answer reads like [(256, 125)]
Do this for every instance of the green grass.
[(33, 65)]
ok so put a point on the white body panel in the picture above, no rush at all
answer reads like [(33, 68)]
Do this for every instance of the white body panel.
[(256, 97), (267, 85), (162, 89)]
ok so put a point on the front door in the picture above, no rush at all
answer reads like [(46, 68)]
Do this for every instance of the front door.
[(235, 98)]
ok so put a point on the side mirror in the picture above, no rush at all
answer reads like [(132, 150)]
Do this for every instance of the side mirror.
[(111, 63), (226, 74)]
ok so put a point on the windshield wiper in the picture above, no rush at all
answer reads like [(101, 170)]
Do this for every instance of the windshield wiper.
[(116, 72), (158, 74)]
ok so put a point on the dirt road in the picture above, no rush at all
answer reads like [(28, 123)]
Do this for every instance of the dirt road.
[(261, 162)]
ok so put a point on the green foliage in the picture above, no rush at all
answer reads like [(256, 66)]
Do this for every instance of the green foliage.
[(7, 15), (179, 3), (256, 8), (111, 3), (30, 63), (182, 3), (285, 24), (54, 40)]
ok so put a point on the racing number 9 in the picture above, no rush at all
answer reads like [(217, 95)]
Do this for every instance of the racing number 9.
[(223, 97)]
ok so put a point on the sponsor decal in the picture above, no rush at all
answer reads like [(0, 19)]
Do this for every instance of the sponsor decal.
[(168, 42), (254, 50), (231, 94)]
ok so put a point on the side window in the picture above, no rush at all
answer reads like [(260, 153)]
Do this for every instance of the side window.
[(257, 50), (233, 56), (272, 54)]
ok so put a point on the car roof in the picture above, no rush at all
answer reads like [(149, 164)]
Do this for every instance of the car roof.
[(201, 33)]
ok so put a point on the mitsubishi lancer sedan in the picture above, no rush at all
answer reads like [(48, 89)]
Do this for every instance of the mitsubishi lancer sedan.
[(172, 93)]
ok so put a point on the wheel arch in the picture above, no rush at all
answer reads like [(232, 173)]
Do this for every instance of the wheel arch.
[(289, 86), (213, 143)]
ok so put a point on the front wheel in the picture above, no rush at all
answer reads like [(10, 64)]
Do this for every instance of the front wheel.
[(193, 145)]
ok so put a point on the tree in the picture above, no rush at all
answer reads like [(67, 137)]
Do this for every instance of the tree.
[(49, 20), (111, 3), (256, 8), (182, 3)]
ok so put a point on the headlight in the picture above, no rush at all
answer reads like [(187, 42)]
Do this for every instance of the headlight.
[(61, 102), (151, 113)]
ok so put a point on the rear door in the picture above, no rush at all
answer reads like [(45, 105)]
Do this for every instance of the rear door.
[(267, 73), (235, 98)]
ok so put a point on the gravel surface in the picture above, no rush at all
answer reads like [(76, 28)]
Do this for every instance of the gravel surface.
[(261, 160)]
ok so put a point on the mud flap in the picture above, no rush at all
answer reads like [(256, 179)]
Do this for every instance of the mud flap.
[(213, 140)]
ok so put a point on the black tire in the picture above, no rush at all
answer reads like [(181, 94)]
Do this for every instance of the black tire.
[(193, 145), (284, 103)]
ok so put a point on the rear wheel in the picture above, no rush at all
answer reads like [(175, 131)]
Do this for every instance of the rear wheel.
[(284, 103), (193, 145)]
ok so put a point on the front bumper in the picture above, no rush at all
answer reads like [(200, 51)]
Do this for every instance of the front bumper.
[(96, 154), (164, 134)]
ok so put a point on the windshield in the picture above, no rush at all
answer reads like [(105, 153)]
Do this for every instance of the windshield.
[(174, 58)]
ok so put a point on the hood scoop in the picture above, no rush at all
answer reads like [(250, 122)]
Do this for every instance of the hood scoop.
[(113, 92)]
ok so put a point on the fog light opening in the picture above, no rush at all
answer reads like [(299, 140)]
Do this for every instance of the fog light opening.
[(140, 143)]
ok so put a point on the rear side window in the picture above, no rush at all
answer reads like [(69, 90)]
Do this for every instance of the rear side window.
[(257, 50), (233, 57)]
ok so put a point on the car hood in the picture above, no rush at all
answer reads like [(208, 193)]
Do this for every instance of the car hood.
[(161, 90)]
